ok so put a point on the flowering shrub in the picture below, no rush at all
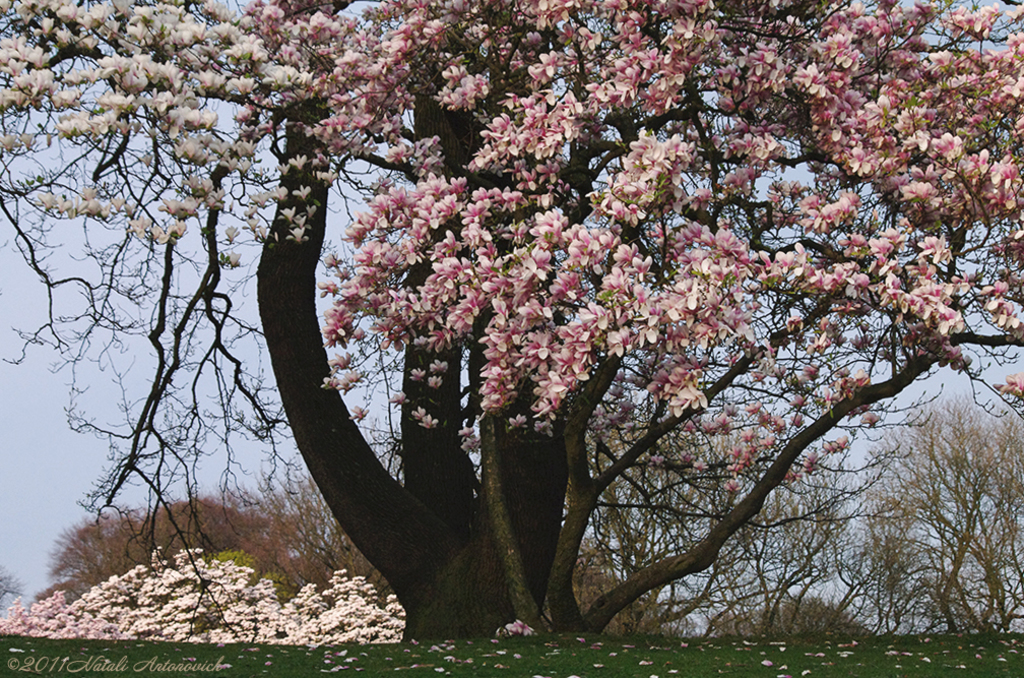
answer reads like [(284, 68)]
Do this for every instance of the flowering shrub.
[(207, 600)]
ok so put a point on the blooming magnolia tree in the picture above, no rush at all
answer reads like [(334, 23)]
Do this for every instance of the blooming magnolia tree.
[(208, 600), (583, 222)]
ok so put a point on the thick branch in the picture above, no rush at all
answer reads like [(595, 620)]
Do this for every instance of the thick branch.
[(393, 529), (583, 490), (703, 554), (506, 542)]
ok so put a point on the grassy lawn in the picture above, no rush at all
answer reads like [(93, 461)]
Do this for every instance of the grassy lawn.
[(547, 656)]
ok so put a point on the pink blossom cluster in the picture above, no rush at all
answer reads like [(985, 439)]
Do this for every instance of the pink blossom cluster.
[(679, 189), (561, 295), (547, 271), (516, 628), (201, 599)]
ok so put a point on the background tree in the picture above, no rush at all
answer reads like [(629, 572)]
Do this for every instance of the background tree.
[(10, 587), (285, 533), (788, 555), (880, 568), (579, 217), (782, 578), (924, 539), (304, 535), (956, 500)]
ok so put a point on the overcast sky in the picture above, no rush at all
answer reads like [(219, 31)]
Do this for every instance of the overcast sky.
[(45, 468)]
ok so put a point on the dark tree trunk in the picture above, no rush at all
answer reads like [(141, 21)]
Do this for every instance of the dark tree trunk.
[(391, 527), (436, 469), (469, 595), (431, 537)]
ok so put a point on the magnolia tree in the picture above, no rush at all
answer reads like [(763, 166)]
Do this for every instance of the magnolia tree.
[(656, 219), (209, 600)]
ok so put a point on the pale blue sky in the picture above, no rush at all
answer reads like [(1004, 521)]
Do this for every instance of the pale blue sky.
[(45, 468)]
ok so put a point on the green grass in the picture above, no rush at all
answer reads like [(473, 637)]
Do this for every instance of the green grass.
[(548, 656)]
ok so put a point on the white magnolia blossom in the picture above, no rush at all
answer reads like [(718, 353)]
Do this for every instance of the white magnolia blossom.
[(206, 600)]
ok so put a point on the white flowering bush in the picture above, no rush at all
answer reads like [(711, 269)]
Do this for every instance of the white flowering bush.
[(54, 618), (343, 613), (208, 600)]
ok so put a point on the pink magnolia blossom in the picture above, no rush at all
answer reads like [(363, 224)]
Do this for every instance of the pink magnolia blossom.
[(1014, 385)]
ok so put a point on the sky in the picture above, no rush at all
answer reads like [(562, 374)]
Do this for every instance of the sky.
[(45, 468)]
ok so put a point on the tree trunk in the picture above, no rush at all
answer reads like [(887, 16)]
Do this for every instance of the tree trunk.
[(392, 528), (430, 538), (469, 595)]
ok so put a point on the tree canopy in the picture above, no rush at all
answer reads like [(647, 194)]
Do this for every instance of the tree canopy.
[(592, 235)]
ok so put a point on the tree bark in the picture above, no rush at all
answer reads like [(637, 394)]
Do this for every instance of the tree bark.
[(404, 540), (431, 539)]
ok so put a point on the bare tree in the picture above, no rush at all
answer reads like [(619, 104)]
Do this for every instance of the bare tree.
[(10, 587), (880, 569), (782, 578), (948, 538), (314, 545), (286, 532), (777, 575)]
